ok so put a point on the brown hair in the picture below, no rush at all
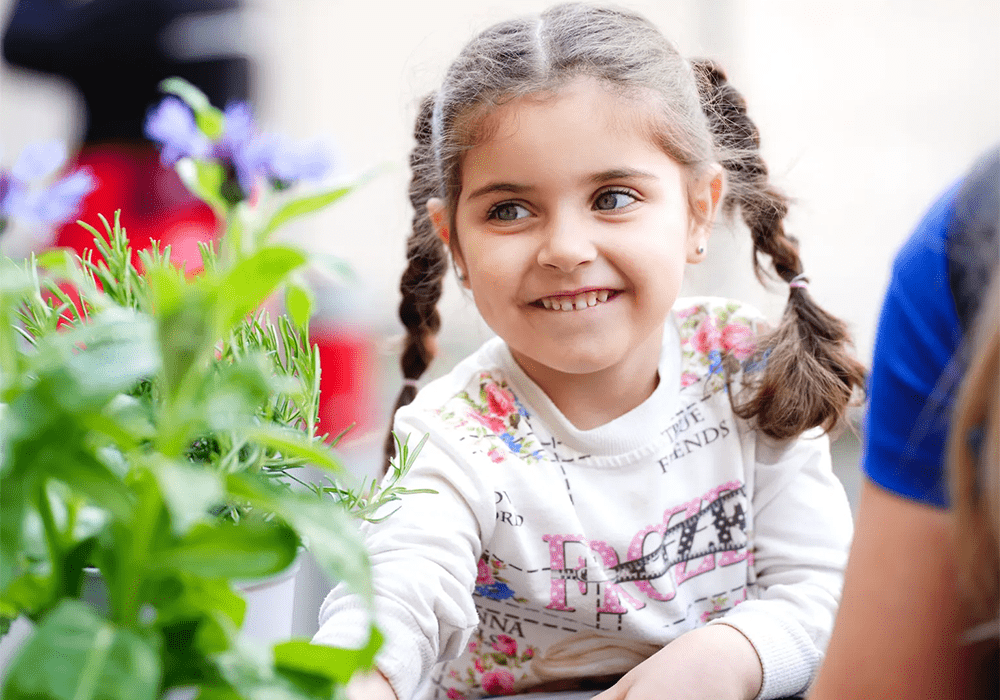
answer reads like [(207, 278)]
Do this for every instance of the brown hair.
[(974, 459), (807, 374)]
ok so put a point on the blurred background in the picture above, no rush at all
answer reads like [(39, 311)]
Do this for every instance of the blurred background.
[(866, 109)]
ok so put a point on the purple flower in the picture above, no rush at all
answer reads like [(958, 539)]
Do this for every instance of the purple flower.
[(291, 162), (242, 148), (247, 154), (6, 183), (172, 124), (32, 205), (39, 160)]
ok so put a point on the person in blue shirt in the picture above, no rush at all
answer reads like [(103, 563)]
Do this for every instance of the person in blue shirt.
[(899, 630)]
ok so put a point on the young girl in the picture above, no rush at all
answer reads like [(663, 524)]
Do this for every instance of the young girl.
[(624, 496)]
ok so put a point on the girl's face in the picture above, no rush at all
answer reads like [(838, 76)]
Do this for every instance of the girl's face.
[(574, 229)]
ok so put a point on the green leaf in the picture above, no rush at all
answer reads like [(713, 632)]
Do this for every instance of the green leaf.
[(299, 302), (300, 207), (252, 280), (204, 179), (183, 325), (77, 655), (188, 491), (253, 674), (248, 550), (27, 594), (327, 662), (119, 350), (56, 260), (326, 528), (208, 118), (295, 443)]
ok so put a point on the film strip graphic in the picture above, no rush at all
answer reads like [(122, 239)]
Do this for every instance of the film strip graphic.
[(689, 539)]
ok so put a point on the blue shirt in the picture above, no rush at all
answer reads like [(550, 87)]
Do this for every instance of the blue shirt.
[(915, 367)]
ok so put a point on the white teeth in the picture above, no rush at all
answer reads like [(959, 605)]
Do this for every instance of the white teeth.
[(575, 303)]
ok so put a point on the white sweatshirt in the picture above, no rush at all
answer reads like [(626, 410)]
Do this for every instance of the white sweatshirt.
[(550, 552)]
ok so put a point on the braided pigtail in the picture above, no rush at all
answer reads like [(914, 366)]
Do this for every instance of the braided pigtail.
[(427, 262), (808, 373)]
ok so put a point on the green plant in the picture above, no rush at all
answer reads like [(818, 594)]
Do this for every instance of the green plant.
[(152, 431)]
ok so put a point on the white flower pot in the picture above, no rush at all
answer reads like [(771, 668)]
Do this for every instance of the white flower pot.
[(268, 618)]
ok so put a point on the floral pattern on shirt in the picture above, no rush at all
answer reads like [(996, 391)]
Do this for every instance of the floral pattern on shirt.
[(489, 582), (710, 332), (494, 417), (496, 667)]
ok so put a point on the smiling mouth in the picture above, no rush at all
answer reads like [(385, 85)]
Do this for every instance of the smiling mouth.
[(576, 302)]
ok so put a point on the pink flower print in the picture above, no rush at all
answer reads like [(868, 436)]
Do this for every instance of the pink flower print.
[(473, 647), (529, 653), (495, 455), (739, 340), (491, 422), (687, 379), (684, 313), (478, 663), (455, 695), (484, 577), (500, 400), (506, 645), (499, 682), (707, 337)]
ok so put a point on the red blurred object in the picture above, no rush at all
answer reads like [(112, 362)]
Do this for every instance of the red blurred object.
[(346, 397), (154, 203)]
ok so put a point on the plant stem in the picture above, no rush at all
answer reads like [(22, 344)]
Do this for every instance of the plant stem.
[(53, 540)]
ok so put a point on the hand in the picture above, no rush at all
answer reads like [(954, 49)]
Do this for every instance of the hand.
[(370, 686), (709, 663)]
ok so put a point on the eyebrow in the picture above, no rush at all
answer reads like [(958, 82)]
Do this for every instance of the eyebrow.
[(596, 178), (621, 174), (511, 187)]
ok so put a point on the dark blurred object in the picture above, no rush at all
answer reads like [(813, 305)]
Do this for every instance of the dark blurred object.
[(115, 52)]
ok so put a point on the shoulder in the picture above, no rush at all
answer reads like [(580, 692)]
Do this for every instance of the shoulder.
[(711, 328), (912, 368), (973, 249), (475, 409)]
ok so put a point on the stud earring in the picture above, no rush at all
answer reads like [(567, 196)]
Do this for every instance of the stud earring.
[(460, 275), (701, 250)]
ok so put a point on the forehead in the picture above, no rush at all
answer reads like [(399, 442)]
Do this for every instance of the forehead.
[(585, 126)]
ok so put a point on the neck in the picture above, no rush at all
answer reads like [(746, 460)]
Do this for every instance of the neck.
[(593, 399)]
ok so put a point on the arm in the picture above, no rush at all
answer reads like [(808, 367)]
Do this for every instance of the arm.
[(423, 559), (900, 607), (801, 533), (690, 668), (900, 603), (770, 645)]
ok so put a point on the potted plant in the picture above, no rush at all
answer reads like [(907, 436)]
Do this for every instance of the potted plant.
[(152, 431)]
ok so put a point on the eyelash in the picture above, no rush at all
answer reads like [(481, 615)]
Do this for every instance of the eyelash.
[(617, 190), (492, 213)]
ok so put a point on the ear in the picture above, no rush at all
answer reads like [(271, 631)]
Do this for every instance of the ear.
[(439, 218), (438, 214), (706, 197)]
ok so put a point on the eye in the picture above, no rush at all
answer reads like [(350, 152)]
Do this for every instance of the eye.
[(507, 211), (609, 200)]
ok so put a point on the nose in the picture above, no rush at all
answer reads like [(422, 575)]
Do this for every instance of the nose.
[(566, 244)]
